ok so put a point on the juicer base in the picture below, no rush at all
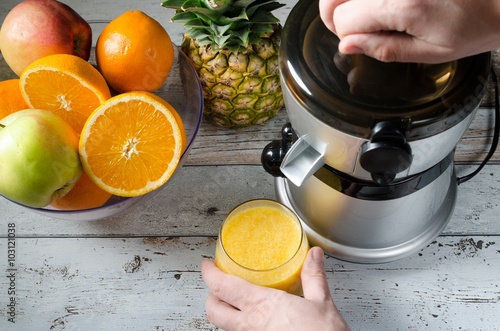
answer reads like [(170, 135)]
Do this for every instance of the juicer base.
[(353, 252)]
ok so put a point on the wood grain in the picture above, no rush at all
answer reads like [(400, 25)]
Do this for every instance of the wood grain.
[(199, 198), (154, 283), (222, 146), (140, 270)]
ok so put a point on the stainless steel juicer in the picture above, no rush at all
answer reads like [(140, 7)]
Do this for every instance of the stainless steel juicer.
[(366, 161)]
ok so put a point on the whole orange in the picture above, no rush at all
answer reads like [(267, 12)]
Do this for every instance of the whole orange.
[(134, 53), (11, 99)]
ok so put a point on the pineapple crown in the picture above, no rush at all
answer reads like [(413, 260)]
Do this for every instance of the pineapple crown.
[(225, 24)]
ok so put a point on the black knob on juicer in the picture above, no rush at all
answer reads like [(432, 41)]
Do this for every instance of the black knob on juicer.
[(386, 154), (287, 133), (275, 151)]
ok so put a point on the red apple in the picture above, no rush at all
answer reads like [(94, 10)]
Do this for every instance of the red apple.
[(37, 28)]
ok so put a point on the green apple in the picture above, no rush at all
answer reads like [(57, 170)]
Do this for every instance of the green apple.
[(39, 159)]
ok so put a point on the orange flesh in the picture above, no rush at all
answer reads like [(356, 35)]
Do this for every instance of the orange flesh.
[(114, 155), (73, 105)]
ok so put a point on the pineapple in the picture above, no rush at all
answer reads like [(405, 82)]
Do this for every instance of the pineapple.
[(234, 47)]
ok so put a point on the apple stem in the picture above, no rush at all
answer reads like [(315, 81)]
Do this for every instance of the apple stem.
[(2, 126)]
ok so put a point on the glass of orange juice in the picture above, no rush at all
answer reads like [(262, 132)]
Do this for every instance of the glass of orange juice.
[(263, 242)]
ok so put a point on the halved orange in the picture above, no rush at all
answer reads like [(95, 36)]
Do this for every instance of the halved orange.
[(65, 84), (132, 143)]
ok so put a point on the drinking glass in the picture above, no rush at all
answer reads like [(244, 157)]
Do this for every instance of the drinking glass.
[(263, 242)]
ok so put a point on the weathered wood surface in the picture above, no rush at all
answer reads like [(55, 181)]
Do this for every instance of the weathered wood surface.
[(198, 198), (141, 270), (216, 145), (154, 283)]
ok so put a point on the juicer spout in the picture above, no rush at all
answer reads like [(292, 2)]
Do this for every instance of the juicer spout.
[(302, 160)]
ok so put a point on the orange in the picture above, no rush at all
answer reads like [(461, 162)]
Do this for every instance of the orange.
[(65, 84), (132, 143), (11, 99), (84, 195), (134, 53)]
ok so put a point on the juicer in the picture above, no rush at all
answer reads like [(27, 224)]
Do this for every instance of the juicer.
[(366, 161)]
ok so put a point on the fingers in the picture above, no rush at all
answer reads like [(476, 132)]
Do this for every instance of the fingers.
[(222, 285), (327, 9), (314, 283), (377, 45), (363, 16), (315, 287), (221, 313), (394, 47), (234, 303), (389, 31)]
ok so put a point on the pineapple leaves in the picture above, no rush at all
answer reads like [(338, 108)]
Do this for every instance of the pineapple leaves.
[(260, 29), (219, 6), (220, 29), (224, 20), (243, 3), (243, 36), (195, 23), (266, 6), (209, 14), (220, 41), (191, 4), (181, 16), (232, 24), (175, 4)]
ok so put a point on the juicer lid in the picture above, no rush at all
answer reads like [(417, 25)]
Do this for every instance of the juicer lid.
[(353, 93)]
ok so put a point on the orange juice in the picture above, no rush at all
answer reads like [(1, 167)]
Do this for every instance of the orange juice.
[(263, 242)]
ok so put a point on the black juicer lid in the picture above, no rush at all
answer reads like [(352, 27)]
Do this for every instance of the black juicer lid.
[(352, 93)]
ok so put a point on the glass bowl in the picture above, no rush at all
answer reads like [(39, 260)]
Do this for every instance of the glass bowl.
[(182, 90)]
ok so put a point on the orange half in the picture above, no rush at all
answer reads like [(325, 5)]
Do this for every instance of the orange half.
[(132, 143), (66, 85)]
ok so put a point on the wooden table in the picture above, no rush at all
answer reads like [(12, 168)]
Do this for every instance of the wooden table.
[(141, 270)]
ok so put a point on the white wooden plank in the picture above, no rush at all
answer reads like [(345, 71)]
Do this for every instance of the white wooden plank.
[(102, 284), (198, 198), (154, 284), (108, 275), (449, 286), (477, 208)]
